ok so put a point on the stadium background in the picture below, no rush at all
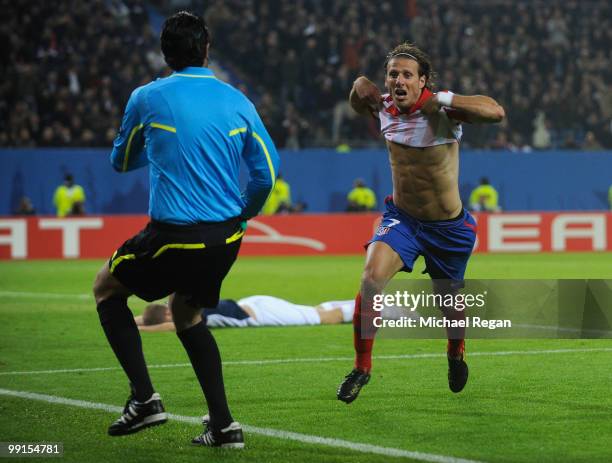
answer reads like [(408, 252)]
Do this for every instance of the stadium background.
[(67, 69)]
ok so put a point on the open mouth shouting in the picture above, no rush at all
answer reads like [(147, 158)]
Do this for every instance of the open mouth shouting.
[(400, 94)]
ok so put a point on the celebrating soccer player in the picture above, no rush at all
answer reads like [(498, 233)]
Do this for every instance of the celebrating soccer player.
[(192, 130), (424, 216)]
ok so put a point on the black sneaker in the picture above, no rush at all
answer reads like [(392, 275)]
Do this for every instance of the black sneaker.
[(139, 415), (228, 438), (352, 384), (457, 373)]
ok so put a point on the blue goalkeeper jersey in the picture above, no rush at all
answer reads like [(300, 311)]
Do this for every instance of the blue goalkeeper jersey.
[(192, 130)]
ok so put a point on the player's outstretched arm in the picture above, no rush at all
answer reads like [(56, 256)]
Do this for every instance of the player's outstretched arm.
[(467, 108), (365, 97)]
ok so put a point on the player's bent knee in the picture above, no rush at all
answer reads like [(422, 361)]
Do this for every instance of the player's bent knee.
[(184, 315), (106, 286), (99, 286), (372, 281), (185, 321)]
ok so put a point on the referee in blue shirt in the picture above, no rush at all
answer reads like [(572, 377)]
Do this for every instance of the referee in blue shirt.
[(192, 130)]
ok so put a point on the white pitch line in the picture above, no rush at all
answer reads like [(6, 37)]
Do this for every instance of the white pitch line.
[(269, 432), (44, 295), (316, 360)]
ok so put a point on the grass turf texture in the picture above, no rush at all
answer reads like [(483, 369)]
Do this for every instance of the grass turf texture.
[(545, 407)]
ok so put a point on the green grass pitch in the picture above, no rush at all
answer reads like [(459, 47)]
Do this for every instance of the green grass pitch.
[(537, 406)]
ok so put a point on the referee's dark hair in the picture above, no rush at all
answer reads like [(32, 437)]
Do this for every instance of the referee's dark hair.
[(184, 40)]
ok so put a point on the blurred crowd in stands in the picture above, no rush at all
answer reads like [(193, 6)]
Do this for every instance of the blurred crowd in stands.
[(68, 66)]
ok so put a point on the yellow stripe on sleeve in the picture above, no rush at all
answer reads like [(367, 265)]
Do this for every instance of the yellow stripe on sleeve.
[(129, 146), (265, 150), (237, 131), (168, 128)]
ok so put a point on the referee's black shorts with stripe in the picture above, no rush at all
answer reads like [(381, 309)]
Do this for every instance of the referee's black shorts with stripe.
[(188, 259)]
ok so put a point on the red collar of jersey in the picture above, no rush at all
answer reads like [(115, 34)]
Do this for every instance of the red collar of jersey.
[(426, 94)]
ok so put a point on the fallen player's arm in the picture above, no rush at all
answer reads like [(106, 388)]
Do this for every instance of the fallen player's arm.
[(472, 108), (365, 98), (166, 326)]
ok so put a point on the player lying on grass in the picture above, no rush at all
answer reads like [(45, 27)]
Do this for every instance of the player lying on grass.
[(424, 216), (253, 311)]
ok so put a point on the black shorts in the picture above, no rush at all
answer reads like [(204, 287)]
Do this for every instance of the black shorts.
[(191, 260)]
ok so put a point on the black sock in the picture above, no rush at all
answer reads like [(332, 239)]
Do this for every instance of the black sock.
[(123, 336), (204, 355)]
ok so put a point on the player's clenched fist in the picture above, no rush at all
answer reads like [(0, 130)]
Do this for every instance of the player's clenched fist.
[(368, 92), (431, 106), (366, 97)]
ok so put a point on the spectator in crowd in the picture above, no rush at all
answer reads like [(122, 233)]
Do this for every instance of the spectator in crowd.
[(279, 199), (343, 147), (484, 198), (361, 198), (69, 198), (501, 142), (590, 142), (25, 207), (570, 142), (541, 135)]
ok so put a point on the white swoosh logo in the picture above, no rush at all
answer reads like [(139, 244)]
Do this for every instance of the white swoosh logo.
[(271, 236)]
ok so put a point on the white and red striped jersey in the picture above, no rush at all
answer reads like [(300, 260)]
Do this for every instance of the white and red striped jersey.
[(414, 128)]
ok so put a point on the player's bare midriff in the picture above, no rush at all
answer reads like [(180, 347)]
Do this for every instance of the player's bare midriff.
[(426, 180)]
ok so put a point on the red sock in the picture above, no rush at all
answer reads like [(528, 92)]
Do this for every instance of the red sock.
[(363, 340), (456, 336), (455, 347)]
